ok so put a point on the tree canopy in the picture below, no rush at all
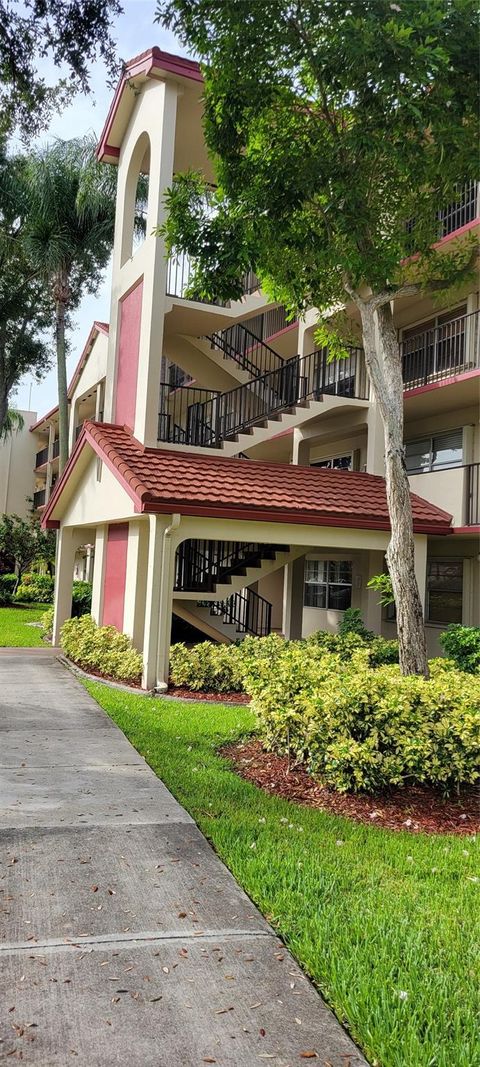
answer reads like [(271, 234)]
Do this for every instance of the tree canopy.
[(340, 123), (339, 132), (70, 33), (24, 312)]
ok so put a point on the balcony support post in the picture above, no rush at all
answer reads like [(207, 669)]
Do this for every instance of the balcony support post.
[(293, 599), (68, 540)]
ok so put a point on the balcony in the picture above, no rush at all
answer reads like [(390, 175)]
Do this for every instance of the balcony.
[(39, 498), (462, 210), (454, 489), (41, 457), (56, 449), (443, 351), (180, 270)]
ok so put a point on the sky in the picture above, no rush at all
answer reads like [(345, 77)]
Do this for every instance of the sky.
[(134, 32)]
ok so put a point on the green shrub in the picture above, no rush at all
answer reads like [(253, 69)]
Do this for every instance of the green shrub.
[(46, 622), (7, 585), (380, 650), (363, 729), (206, 667), (101, 648), (35, 589), (352, 623), (81, 598), (462, 645)]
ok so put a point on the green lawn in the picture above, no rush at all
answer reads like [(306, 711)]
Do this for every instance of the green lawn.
[(14, 629), (387, 924)]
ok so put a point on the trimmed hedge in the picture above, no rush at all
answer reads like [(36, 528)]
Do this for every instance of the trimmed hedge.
[(35, 589), (462, 645), (7, 586), (81, 598), (101, 648), (358, 728)]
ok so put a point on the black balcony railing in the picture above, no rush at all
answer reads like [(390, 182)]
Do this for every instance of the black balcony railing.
[(39, 498), (41, 457), (249, 612), (462, 210), (252, 354), (442, 351), (180, 270), (56, 449), (473, 494), (202, 565), (189, 418), (180, 416)]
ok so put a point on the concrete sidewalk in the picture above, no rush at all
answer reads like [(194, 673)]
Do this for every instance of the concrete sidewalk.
[(124, 938)]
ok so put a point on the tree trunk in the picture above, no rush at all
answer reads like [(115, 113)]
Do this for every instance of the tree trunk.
[(3, 409), (382, 357), (61, 300)]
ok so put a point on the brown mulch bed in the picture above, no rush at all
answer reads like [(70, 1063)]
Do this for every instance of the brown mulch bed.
[(215, 698), (415, 809)]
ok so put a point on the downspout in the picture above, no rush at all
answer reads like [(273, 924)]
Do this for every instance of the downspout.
[(165, 607)]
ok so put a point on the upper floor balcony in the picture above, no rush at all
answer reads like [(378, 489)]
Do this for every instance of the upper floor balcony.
[(442, 349), (180, 271)]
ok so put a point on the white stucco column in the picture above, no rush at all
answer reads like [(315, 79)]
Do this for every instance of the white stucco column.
[(170, 541), (375, 442), (156, 527), (98, 572), (371, 606), (421, 542), (68, 540), (300, 449), (293, 599), (136, 582)]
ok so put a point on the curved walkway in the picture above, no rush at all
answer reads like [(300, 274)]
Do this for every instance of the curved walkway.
[(125, 940)]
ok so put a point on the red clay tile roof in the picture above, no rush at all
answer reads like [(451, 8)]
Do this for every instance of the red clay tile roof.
[(194, 484)]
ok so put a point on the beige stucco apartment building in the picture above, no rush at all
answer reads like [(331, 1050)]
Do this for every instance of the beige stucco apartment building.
[(224, 471)]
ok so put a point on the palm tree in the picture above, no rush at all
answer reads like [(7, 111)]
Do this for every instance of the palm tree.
[(12, 423), (68, 238)]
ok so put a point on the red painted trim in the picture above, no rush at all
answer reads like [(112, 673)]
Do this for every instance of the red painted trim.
[(128, 355), (44, 419), (441, 383), (151, 60), (51, 524), (474, 531), (115, 575), (291, 326), (444, 240), (298, 518), (457, 233), (98, 327)]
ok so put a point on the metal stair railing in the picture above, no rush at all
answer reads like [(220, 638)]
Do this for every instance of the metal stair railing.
[(201, 565), (296, 381), (246, 349), (247, 611)]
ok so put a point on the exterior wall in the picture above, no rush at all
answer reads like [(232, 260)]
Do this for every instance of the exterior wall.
[(115, 576), (129, 325), (151, 130), (17, 462)]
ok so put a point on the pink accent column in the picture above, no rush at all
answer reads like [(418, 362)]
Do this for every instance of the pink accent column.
[(115, 576), (130, 314)]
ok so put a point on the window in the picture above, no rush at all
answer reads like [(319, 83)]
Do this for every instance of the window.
[(434, 453), (328, 584), (444, 591), (343, 463)]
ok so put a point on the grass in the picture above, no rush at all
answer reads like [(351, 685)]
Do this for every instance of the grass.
[(15, 631), (386, 924)]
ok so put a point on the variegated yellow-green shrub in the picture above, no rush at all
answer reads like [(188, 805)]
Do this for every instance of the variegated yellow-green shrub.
[(101, 648), (206, 667), (358, 728)]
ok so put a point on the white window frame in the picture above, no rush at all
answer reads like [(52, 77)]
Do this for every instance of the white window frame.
[(449, 560), (431, 437), (327, 584)]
